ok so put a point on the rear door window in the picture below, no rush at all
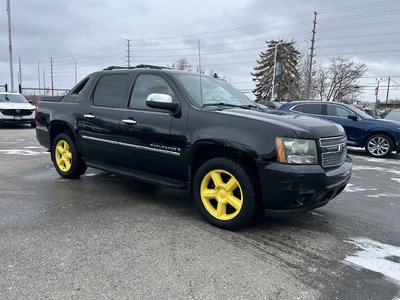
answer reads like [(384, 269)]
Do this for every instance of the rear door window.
[(299, 108), (313, 109), (110, 90)]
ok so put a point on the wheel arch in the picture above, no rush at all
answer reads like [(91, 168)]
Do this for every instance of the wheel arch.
[(378, 132), (57, 127), (206, 150)]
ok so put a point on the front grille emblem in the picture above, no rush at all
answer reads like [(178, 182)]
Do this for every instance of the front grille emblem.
[(342, 147)]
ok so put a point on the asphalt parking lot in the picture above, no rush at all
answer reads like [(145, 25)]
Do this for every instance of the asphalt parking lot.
[(105, 236)]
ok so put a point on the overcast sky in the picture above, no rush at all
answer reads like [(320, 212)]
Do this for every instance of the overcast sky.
[(232, 33)]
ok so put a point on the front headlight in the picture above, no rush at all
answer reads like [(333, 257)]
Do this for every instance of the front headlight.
[(296, 151)]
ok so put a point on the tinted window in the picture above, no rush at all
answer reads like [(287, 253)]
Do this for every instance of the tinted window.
[(79, 88), (315, 109), (110, 90), (337, 111), (299, 108), (145, 85)]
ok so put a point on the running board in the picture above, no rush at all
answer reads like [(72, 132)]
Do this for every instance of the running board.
[(139, 175)]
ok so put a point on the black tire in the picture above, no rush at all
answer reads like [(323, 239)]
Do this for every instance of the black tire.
[(33, 124), (246, 192), (379, 145), (75, 167)]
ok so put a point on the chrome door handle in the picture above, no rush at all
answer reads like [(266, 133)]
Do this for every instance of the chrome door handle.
[(89, 116), (129, 121)]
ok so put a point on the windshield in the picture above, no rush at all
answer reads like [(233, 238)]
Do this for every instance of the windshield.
[(214, 91), (359, 113), (13, 98)]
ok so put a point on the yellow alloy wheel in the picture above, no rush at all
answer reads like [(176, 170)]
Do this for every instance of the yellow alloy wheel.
[(63, 156), (221, 195)]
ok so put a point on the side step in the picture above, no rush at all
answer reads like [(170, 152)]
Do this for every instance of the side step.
[(139, 175)]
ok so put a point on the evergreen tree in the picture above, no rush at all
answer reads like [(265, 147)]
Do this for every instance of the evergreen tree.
[(287, 73)]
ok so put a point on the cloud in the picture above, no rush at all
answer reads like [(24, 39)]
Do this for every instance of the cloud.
[(232, 34)]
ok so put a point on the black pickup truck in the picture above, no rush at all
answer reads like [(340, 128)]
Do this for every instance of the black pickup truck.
[(185, 130)]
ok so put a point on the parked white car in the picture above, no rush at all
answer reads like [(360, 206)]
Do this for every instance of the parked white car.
[(14, 108)]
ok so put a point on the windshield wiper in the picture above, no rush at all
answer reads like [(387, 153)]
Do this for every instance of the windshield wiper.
[(249, 106), (223, 104)]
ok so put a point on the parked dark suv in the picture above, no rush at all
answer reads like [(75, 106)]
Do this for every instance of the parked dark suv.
[(379, 137), (186, 130)]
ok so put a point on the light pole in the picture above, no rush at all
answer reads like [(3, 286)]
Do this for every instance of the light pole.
[(44, 81), (274, 72), (76, 75), (10, 45), (38, 74)]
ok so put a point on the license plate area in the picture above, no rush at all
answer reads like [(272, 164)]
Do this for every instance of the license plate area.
[(18, 118)]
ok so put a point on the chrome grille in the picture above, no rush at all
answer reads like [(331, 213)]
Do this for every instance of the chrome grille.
[(333, 141), (16, 112), (334, 151)]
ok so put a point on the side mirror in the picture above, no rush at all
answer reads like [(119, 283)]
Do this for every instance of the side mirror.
[(30, 101), (353, 117), (162, 101)]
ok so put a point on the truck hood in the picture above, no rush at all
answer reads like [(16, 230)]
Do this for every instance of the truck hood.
[(13, 105), (304, 126)]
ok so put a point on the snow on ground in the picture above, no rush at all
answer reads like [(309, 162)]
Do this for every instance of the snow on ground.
[(377, 257), (378, 169), (22, 152), (351, 189), (380, 160)]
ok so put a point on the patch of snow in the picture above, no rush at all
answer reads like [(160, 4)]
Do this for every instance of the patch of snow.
[(377, 257), (379, 169), (383, 195), (351, 189), (395, 179), (316, 214), (32, 147), (20, 152), (381, 160), (89, 175)]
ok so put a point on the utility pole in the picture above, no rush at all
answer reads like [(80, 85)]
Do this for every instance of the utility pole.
[(387, 94), (311, 56), (51, 76), (10, 45), (38, 74), (377, 92), (128, 52)]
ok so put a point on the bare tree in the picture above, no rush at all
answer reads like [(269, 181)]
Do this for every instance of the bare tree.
[(182, 64), (339, 80), (304, 71)]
